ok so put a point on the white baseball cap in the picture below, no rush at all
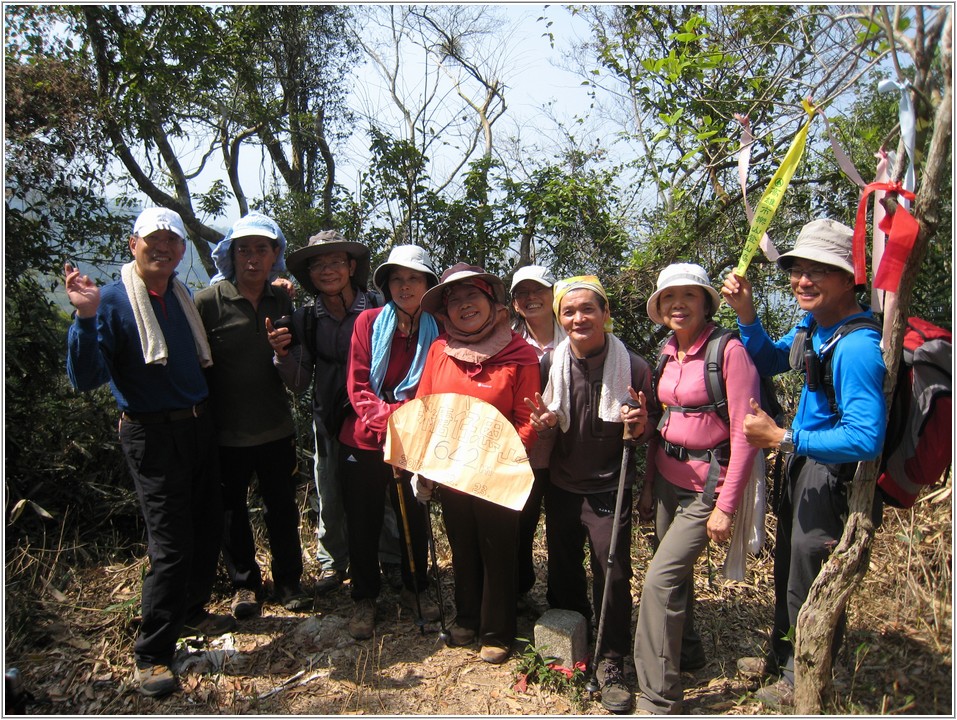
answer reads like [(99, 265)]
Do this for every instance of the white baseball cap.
[(535, 273), (159, 218)]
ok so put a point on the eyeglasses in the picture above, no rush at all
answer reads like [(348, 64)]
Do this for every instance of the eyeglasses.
[(257, 251), (334, 265), (526, 294), (814, 274), (154, 240)]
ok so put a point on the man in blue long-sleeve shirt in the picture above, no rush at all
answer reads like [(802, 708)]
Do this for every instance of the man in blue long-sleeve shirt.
[(828, 436), (142, 335)]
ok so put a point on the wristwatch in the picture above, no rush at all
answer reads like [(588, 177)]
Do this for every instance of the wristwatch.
[(787, 443)]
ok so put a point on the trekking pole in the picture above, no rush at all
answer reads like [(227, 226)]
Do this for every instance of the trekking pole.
[(420, 621), (592, 685), (444, 634)]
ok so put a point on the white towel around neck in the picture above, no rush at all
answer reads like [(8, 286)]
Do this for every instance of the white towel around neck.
[(615, 380), (152, 340)]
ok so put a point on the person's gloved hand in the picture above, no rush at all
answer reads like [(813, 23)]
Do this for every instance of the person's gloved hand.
[(422, 488), (372, 411)]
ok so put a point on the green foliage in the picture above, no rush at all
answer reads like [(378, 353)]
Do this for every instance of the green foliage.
[(64, 476), (61, 449), (535, 669)]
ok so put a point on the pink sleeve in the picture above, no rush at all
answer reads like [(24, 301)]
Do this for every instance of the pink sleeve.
[(743, 383)]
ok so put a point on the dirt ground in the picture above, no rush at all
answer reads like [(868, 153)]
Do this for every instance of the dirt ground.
[(76, 658)]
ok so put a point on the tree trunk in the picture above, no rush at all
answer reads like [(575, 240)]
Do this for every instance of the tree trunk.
[(844, 570)]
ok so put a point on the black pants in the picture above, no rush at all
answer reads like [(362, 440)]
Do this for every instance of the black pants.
[(811, 520), (528, 524), (175, 469), (274, 464), (483, 537), (365, 477), (570, 518)]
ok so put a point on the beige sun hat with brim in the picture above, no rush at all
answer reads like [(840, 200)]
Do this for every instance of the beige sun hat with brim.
[(535, 273), (412, 257), (824, 241), (434, 299), (328, 241), (680, 275)]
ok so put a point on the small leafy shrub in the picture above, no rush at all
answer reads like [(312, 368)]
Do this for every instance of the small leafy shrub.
[(544, 671)]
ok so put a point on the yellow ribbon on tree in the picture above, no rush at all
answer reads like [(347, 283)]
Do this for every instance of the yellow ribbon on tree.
[(768, 205)]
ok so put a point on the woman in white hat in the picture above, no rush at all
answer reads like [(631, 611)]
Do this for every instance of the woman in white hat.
[(532, 297), (386, 359), (479, 355), (532, 302), (702, 465)]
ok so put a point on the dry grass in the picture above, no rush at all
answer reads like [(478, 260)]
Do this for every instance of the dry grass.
[(70, 630)]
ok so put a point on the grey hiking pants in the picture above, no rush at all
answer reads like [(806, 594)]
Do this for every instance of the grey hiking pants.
[(665, 637)]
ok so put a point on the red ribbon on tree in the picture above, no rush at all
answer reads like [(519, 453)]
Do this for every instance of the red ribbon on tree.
[(901, 229)]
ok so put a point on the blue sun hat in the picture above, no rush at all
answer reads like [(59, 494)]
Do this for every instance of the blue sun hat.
[(252, 224)]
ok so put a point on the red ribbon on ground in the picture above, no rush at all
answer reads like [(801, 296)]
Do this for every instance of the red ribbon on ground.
[(901, 230)]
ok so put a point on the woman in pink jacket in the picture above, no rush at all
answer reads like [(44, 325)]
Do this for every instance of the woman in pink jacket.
[(702, 465)]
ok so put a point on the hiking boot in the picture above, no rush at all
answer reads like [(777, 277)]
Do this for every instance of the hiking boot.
[(494, 654), (392, 574), (756, 667), (245, 604), (362, 622), (329, 579), (461, 635), (156, 681), (615, 695), (430, 611), (208, 624), (779, 696), (294, 598)]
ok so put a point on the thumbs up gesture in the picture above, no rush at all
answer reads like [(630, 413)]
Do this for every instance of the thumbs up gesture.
[(760, 429)]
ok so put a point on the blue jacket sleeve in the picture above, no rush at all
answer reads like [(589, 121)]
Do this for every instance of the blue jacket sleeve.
[(85, 365), (770, 358)]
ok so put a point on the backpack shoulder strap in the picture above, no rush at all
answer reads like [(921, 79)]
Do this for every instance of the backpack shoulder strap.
[(544, 367), (659, 368), (827, 350), (309, 327), (714, 371)]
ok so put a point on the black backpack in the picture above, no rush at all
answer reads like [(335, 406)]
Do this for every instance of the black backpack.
[(918, 441), (714, 379)]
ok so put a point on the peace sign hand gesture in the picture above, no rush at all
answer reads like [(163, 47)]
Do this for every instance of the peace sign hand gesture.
[(542, 418)]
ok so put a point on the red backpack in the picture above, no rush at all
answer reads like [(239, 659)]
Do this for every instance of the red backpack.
[(918, 446)]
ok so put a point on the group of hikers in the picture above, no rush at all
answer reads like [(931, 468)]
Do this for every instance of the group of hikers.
[(201, 383)]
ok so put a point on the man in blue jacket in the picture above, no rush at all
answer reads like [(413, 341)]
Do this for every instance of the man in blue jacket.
[(142, 334), (840, 421)]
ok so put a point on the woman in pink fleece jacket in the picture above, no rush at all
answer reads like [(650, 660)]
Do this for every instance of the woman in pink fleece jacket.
[(702, 466)]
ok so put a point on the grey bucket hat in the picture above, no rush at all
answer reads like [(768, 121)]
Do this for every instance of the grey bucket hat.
[(825, 241), (407, 256), (329, 241)]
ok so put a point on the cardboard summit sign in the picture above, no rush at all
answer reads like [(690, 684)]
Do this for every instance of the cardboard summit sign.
[(463, 443)]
